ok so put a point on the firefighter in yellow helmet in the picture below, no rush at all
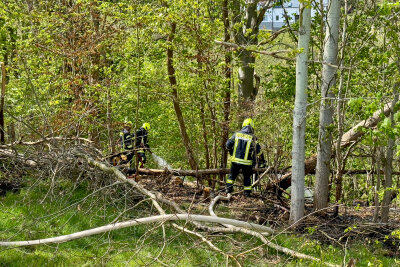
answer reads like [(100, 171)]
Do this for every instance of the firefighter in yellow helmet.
[(241, 146), (142, 142)]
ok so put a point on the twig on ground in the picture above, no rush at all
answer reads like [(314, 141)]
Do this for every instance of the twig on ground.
[(264, 240)]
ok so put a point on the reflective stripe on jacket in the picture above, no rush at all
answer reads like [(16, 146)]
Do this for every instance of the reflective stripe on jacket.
[(141, 140), (241, 149), (126, 140), (241, 146)]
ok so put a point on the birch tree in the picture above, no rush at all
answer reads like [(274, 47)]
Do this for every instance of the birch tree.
[(326, 109), (299, 115)]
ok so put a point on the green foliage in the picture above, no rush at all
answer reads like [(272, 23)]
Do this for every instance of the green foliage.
[(80, 69), (280, 82)]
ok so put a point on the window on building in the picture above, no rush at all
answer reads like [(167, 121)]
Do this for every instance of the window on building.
[(277, 17), (296, 18)]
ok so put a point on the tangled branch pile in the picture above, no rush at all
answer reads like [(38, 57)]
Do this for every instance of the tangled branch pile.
[(54, 159)]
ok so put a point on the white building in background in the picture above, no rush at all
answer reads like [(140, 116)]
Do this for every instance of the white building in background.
[(275, 18)]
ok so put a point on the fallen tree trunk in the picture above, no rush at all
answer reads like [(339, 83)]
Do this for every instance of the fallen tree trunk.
[(236, 225), (354, 133), (159, 218), (194, 173), (8, 153), (348, 138), (154, 198), (147, 220), (123, 178), (233, 229), (203, 172), (45, 140)]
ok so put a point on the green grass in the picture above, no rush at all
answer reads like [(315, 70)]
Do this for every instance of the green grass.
[(34, 213)]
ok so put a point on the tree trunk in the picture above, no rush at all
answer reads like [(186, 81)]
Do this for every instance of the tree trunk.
[(213, 117), (193, 173), (227, 99), (324, 153), (246, 76), (387, 197), (3, 93), (340, 118), (247, 35), (349, 138), (175, 99), (111, 142), (378, 184), (357, 131), (11, 132), (205, 138), (322, 28), (299, 117), (137, 95), (246, 90), (202, 100)]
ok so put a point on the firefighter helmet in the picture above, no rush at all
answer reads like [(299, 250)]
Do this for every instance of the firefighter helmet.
[(146, 126), (248, 122), (128, 124)]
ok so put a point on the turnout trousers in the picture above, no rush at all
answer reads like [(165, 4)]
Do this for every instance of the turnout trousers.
[(247, 171)]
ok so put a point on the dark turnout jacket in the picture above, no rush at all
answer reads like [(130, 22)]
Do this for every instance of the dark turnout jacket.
[(241, 146), (125, 139), (141, 139)]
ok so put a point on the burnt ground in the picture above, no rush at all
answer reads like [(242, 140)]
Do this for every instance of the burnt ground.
[(351, 225)]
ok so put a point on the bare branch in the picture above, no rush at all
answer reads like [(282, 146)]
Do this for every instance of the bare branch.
[(141, 221), (268, 53)]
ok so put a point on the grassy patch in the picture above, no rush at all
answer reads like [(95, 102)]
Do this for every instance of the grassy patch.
[(38, 212)]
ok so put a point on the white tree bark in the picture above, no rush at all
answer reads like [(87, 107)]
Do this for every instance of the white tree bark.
[(324, 151), (147, 220), (164, 218), (299, 116)]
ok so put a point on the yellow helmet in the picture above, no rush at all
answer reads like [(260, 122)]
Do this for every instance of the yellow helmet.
[(127, 124), (146, 126), (248, 122)]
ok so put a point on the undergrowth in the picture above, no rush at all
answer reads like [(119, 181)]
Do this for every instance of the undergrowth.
[(40, 210)]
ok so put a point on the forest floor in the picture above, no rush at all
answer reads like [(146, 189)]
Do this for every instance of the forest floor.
[(353, 223), (71, 206)]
